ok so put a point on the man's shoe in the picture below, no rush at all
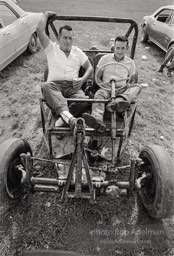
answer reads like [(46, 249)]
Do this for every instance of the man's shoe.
[(119, 104), (59, 122), (169, 73), (93, 122)]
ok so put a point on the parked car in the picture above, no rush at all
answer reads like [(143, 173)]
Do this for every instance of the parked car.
[(17, 32), (15, 1), (159, 27)]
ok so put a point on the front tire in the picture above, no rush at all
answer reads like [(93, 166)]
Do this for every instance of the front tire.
[(11, 184), (157, 189), (33, 44)]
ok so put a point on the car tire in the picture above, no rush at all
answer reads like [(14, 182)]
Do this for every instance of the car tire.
[(157, 190), (144, 35), (11, 186), (33, 44)]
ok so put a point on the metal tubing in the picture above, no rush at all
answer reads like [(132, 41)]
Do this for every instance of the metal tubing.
[(70, 174), (28, 165), (113, 124), (50, 144), (86, 100), (86, 166), (122, 184), (113, 91), (132, 23), (132, 176), (42, 188), (35, 180), (88, 132), (78, 171)]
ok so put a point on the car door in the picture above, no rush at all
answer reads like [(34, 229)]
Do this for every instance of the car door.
[(17, 24), (21, 34), (160, 27), (169, 32), (7, 48)]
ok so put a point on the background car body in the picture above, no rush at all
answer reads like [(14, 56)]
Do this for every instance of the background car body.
[(159, 27), (17, 32), (15, 1)]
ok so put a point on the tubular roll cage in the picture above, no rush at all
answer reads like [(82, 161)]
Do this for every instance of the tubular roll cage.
[(133, 25)]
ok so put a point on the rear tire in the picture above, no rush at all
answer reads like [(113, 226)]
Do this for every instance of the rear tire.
[(10, 175), (144, 35), (157, 190), (33, 44)]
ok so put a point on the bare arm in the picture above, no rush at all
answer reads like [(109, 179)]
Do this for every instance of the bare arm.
[(99, 75), (134, 78), (44, 39), (88, 70)]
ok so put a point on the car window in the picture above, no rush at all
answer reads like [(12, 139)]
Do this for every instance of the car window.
[(172, 19), (164, 16), (7, 15), (1, 24)]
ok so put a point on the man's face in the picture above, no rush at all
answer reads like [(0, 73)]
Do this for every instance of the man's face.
[(66, 40), (120, 49)]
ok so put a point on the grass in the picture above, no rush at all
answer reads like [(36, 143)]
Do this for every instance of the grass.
[(40, 221)]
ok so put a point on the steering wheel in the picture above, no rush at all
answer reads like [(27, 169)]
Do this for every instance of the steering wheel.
[(112, 78)]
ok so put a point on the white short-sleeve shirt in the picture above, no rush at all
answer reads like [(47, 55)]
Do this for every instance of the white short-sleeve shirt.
[(62, 67), (116, 70)]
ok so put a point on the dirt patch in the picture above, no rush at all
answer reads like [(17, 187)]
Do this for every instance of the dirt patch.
[(112, 227)]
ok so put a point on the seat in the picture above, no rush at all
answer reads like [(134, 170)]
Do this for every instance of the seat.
[(97, 58)]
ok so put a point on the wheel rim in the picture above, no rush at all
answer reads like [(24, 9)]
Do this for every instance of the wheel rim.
[(148, 189), (33, 43), (143, 34), (13, 179)]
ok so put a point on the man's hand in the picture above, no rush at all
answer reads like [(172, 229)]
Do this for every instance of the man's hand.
[(49, 14), (77, 83)]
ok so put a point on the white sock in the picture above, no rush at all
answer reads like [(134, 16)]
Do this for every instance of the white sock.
[(59, 122), (66, 116)]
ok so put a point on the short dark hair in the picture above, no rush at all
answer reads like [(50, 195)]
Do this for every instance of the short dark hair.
[(122, 39), (66, 27)]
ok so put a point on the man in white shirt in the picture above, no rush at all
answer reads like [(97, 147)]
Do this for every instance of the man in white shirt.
[(64, 62), (124, 98)]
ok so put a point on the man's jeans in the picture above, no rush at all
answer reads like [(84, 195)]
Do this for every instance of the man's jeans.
[(98, 109), (55, 93)]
